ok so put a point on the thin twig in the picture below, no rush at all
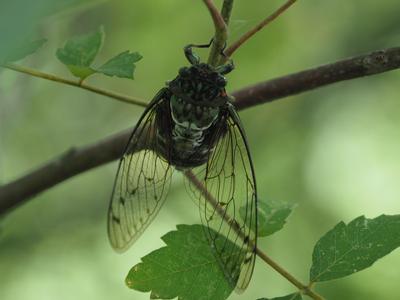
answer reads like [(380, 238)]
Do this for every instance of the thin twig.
[(226, 10), (217, 18), (307, 290), (96, 154), (78, 84), (257, 28), (221, 33), (214, 203)]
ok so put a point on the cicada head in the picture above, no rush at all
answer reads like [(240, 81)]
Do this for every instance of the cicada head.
[(200, 84)]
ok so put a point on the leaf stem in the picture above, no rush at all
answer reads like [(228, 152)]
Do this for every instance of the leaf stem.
[(258, 27), (221, 33), (79, 84)]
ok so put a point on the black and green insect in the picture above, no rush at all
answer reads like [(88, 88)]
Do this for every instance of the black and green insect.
[(191, 124)]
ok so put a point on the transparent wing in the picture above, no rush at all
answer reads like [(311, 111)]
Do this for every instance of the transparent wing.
[(225, 189), (143, 178)]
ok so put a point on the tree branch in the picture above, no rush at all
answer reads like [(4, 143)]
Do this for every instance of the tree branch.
[(67, 165), (78, 84), (82, 159), (364, 65)]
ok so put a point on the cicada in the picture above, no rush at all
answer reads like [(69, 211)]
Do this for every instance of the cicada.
[(191, 125)]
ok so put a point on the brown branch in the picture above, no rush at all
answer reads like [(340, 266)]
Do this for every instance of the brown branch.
[(88, 157), (217, 18), (258, 27), (67, 165), (364, 65)]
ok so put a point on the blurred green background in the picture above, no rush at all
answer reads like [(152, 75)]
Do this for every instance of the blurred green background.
[(333, 151)]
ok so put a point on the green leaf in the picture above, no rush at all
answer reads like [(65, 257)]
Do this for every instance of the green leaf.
[(295, 296), (347, 249), (271, 216), (186, 268), (122, 65), (24, 50), (79, 53)]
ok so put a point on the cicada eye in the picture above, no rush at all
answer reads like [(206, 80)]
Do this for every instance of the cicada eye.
[(221, 81), (184, 72)]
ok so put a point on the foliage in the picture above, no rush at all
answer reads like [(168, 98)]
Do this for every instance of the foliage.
[(79, 53), (186, 268), (347, 249), (170, 272)]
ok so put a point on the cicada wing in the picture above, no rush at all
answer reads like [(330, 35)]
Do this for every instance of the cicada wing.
[(228, 200), (143, 178)]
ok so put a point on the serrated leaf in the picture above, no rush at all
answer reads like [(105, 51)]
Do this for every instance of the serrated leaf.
[(295, 296), (347, 249), (24, 50), (122, 65), (79, 53), (271, 216), (186, 268)]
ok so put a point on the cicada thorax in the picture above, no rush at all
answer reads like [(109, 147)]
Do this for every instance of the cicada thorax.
[(197, 101)]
